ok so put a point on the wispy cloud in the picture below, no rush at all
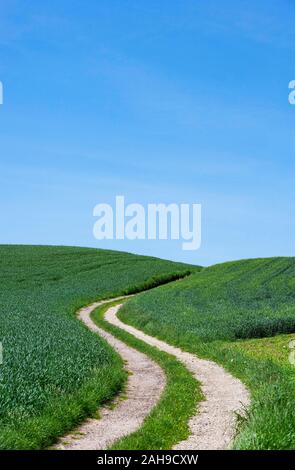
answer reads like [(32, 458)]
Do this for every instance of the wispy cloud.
[(267, 21)]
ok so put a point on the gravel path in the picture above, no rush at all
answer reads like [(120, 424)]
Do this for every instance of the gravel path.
[(145, 384), (213, 426)]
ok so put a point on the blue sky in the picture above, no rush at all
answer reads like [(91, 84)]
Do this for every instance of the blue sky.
[(171, 101)]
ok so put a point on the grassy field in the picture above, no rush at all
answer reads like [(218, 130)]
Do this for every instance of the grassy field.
[(220, 313), (55, 372)]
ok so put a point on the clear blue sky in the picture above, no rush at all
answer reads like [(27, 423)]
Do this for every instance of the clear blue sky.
[(162, 101)]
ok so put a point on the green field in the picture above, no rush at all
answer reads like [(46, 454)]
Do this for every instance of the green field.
[(55, 372), (220, 313)]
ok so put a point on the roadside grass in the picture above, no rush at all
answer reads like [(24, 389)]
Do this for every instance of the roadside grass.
[(275, 348), (167, 424), (55, 372), (211, 314), (62, 415), (269, 424)]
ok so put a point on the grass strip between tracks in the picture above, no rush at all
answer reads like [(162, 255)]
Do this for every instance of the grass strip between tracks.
[(167, 424)]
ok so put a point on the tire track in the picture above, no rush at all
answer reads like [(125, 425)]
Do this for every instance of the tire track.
[(145, 384), (213, 426)]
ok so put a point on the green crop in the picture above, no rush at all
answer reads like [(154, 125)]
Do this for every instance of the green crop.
[(245, 299), (54, 371), (211, 313)]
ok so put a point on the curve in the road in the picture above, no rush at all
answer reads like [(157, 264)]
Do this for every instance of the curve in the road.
[(146, 381), (214, 423)]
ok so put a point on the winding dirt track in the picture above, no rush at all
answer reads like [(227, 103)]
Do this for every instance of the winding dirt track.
[(212, 427), (145, 384), (214, 424)]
